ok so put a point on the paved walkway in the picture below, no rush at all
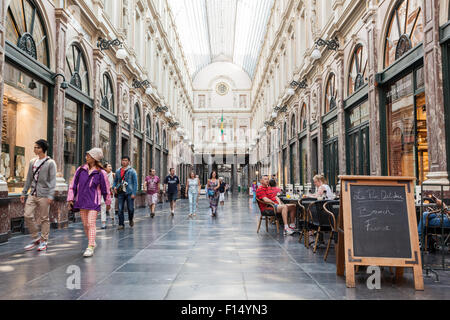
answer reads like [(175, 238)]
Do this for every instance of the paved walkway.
[(181, 258)]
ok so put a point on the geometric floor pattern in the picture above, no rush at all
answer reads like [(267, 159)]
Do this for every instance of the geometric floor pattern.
[(180, 258)]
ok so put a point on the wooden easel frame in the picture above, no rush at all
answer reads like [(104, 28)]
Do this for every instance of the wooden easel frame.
[(345, 261)]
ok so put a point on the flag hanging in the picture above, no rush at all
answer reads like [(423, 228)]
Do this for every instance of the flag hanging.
[(221, 126)]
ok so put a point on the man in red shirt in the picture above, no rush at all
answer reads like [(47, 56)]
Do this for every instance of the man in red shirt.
[(269, 195)]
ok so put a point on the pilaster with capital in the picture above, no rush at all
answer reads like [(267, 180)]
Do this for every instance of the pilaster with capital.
[(373, 95), (434, 95)]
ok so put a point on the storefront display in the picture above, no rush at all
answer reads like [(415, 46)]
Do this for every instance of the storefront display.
[(407, 127), (25, 106)]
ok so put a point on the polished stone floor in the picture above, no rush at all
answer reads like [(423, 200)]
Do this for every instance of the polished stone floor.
[(181, 258)]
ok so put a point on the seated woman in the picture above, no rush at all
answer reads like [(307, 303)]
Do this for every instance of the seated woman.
[(323, 189), (434, 219)]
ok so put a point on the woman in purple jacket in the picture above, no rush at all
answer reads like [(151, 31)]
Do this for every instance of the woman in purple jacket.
[(88, 186)]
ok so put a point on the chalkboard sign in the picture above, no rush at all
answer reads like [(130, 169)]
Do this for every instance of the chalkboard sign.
[(378, 227), (380, 221)]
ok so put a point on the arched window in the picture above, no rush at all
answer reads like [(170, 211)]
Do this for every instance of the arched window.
[(405, 30), (25, 29), (303, 117), (285, 133), (148, 127), (293, 126), (164, 139), (157, 133), (76, 69), (137, 117), (330, 94), (357, 75), (107, 94)]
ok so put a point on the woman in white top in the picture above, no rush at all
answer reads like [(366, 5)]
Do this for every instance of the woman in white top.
[(323, 189), (193, 187)]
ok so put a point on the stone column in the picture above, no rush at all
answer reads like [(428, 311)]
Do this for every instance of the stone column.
[(97, 83), (121, 107), (59, 94), (58, 210), (374, 125), (339, 56), (434, 95)]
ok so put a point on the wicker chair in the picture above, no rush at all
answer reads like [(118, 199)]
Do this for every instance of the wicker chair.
[(267, 214)]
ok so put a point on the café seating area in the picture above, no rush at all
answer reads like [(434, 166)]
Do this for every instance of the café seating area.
[(317, 221)]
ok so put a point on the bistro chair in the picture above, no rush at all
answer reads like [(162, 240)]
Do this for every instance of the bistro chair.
[(319, 220), (267, 214), (332, 209), (304, 204)]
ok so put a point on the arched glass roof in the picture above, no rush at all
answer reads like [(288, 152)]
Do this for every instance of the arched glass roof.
[(216, 28)]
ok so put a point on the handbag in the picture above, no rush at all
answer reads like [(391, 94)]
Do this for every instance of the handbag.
[(211, 192)]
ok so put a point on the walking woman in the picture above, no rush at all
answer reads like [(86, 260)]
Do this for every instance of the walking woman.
[(89, 184), (193, 187), (213, 193), (222, 186)]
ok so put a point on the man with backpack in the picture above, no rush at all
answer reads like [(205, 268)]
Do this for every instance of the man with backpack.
[(125, 187), (41, 178)]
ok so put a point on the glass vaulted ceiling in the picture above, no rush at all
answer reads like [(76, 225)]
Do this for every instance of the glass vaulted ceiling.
[(212, 28)]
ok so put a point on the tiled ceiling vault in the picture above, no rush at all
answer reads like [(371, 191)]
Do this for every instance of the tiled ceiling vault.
[(215, 28)]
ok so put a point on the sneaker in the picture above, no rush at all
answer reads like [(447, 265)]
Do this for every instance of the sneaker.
[(121, 227), (172, 214), (104, 226), (288, 231), (32, 244), (292, 226), (152, 215), (42, 246), (89, 252), (131, 223)]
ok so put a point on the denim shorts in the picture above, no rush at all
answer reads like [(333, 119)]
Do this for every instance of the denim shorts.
[(172, 197)]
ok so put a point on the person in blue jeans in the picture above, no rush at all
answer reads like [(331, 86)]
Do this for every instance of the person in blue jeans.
[(125, 187), (434, 219)]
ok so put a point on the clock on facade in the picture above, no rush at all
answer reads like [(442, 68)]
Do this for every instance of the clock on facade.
[(222, 88)]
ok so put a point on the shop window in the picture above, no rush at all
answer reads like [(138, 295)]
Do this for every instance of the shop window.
[(303, 118), (148, 127), (76, 69), (330, 153), (357, 76), (293, 126), (303, 162), (25, 29), (164, 139), (405, 30), (77, 136), (24, 121), (107, 94), (157, 134), (330, 94), (407, 130), (358, 140), (137, 118), (107, 141)]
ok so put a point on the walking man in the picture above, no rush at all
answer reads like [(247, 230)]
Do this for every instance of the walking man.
[(172, 186), (151, 184), (125, 187), (41, 178)]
